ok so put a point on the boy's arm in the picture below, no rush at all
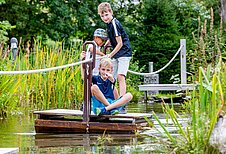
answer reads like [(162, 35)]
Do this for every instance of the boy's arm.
[(107, 43), (97, 51), (82, 57), (118, 46)]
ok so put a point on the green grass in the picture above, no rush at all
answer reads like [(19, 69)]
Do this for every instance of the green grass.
[(62, 88), (206, 104)]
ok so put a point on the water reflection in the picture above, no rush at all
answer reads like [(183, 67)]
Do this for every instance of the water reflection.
[(18, 131), (88, 142)]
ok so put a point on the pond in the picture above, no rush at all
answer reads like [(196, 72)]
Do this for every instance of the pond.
[(18, 131)]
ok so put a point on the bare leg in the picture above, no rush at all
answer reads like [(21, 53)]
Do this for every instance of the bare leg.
[(125, 98), (99, 95), (116, 95), (122, 84)]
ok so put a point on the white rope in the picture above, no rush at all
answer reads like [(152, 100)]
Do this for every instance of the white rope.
[(45, 69), (81, 62), (137, 73)]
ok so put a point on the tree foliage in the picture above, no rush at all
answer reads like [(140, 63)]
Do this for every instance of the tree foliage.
[(154, 26), (158, 36), (57, 19)]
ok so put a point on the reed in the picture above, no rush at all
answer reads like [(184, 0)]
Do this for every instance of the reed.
[(208, 44), (207, 98), (55, 89), (206, 104)]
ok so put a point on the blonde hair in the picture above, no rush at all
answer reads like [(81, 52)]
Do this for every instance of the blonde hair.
[(104, 7), (106, 62)]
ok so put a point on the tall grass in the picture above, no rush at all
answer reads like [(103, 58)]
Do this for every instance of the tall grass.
[(55, 89), (206, 104), (208, 45), (208, 98)]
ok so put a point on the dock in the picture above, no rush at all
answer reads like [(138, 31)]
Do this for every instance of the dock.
[(9, 150), (166, 87), (71, 121), (76, 121)]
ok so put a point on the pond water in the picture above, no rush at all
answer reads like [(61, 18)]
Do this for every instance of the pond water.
[(18, 131)]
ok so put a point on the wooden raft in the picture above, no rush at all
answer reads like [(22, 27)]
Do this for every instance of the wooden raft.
[(71, 121)]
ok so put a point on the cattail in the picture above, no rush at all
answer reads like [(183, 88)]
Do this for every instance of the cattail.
[(211, 20)]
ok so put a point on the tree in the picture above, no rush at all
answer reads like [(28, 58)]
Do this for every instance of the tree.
[(55, 19), (158, 37)]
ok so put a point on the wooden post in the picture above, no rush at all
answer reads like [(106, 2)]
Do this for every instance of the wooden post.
[(150, 79), (150, 67), (183, 62), (88, 71)]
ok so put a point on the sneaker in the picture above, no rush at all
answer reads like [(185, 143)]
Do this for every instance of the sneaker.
[(114, 111), (102, 111), (123, 110)]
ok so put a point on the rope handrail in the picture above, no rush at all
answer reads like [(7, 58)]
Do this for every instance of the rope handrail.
[(151, 73), (81, 62), (45, 69)]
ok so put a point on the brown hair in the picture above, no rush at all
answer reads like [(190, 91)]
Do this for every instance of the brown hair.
[(104, 7)]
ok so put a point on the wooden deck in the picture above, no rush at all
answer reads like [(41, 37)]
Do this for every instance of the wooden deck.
[(70, 121), (166, 87), (9, 150)]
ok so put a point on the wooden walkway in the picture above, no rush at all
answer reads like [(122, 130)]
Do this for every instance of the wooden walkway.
[(9, 150), (166, 87), (70, 121)]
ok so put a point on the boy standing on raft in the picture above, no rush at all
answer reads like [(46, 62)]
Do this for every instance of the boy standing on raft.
[(122, 51)]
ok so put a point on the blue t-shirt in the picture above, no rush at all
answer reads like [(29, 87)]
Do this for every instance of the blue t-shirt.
[(114, 28), (106, 87)]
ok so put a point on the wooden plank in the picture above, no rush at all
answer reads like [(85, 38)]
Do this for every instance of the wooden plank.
[(9, 150), (60, 112), (129, 115), (166, 87), (67, 112), (61, 126)]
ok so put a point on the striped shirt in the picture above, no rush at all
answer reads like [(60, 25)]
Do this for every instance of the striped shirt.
[(114, 28)]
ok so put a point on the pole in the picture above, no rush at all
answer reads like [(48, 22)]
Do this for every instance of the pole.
[(183, 62), (14, 43), (88, 71)]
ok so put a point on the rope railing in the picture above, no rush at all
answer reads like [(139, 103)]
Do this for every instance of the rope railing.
[(45, 69), (81, 62), (151, 73)]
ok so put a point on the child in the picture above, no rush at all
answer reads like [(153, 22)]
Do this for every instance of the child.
[(103, 99), (100, 36), (119, 40)]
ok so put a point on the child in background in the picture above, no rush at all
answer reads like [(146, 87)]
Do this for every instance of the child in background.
[(100, 36), (103, 99)]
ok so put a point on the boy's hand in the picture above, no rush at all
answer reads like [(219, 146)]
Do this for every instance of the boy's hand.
[(108, 55), (110, 77), (82, 55)]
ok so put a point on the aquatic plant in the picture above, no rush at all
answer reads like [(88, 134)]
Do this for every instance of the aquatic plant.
[(207, 98), (62, 88), (207, 103), (104, 138)]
